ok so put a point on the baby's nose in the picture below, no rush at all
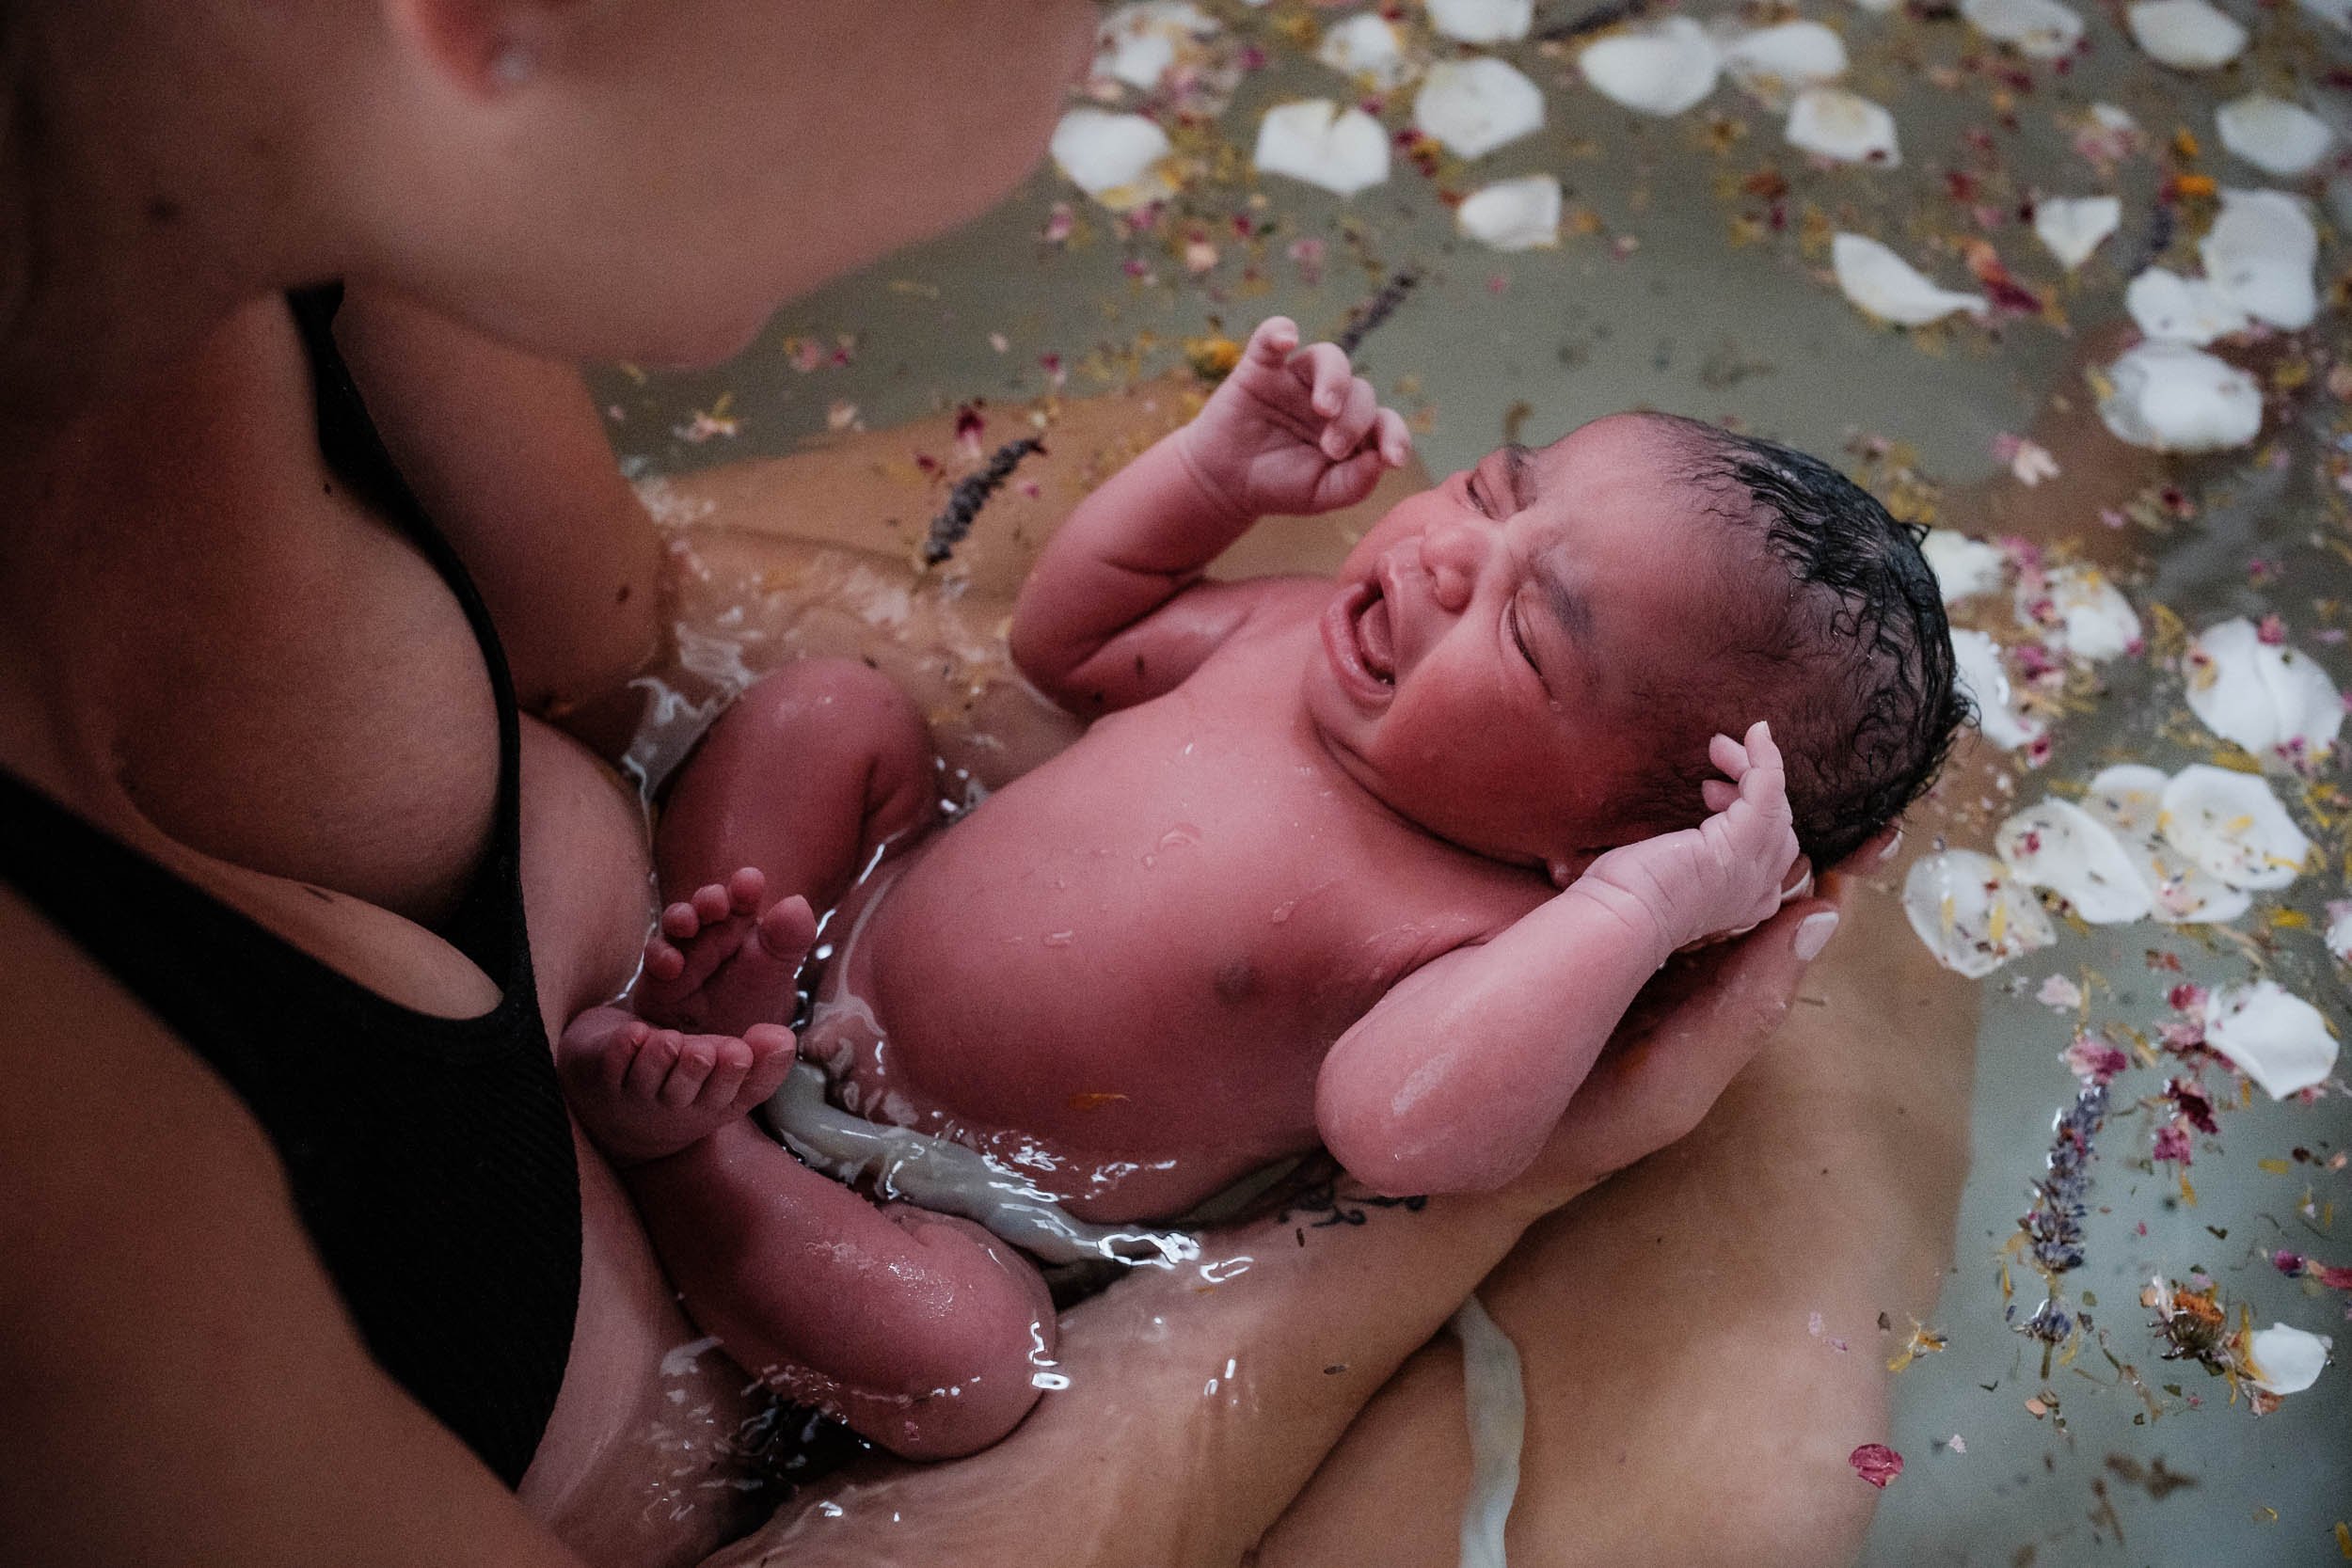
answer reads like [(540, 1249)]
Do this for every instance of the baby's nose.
[(1453, 553)]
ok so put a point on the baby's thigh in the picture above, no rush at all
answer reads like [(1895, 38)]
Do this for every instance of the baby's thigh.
[(1663, 1320), (804, 776)]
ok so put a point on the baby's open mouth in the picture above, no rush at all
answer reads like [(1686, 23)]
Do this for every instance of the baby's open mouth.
[(1375, 638)]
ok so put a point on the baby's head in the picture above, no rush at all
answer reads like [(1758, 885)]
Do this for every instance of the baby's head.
[(1529, 660)]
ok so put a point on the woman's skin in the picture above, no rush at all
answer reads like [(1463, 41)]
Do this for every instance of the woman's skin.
[(211, 653)]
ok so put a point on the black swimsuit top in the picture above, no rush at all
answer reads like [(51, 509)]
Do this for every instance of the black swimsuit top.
[(429, 1159)]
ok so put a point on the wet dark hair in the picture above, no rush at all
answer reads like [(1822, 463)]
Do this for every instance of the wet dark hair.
[(1849, 657)]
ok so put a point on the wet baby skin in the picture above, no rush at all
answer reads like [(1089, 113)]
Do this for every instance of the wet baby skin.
[(1353, 863)]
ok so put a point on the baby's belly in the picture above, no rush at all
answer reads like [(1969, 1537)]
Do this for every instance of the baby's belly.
[(948, 1015)]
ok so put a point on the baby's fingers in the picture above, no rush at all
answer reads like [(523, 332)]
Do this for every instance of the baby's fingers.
[(1325, 370), (1718, 793), (1729, 757), (1273, 342), (1354, 419), (1396, 442)]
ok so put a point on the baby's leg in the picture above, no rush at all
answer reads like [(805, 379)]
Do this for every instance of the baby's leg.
[(921, 1332), (795, 788)]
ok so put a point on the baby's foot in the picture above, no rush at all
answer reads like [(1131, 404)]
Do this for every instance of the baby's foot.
[(717, 963), (643, 1092)]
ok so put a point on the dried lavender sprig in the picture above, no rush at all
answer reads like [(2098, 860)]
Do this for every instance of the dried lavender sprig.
[(2054, 1226), (1365, 317), (971, 493)]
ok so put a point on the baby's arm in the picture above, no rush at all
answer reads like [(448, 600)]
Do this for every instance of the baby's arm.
[(1454, 1080), (1115, 610)]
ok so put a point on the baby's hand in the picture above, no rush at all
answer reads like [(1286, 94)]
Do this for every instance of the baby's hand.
[(1728, 872), (1292, 430)]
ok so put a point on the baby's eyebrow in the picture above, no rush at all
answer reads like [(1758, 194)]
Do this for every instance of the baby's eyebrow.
[(1520, 472)]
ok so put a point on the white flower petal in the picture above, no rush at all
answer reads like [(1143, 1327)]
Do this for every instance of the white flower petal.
[(2080, 614), (1514, 214), (1977, 669), (1344, 151), (1482, 21), (1114, 158), (1773, 62), (2273, 1036), (2274, 701), (2274, 136), (2340, 932), (2057, 844), (1882, 284), (2233, 826), (1367, 46), (2187, 35), (2288, 1360), (2038, 29), (1973, 915), (2169, 397), (1843, 126), (1963, 567), (2072, 227), (1474, 106), (1137, 42), (2170, 309), (2129, 799), (2259, 254), (1660, 68)]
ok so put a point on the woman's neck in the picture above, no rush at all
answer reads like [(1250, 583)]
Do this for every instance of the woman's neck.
[(130, 236)]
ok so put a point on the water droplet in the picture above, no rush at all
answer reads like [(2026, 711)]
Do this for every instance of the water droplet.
[(1181, 834), (1061, 939), (1049, 1381), (1282, 910)]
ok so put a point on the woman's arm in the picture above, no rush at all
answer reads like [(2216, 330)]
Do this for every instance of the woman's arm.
[(178, 1381), (508, 455)]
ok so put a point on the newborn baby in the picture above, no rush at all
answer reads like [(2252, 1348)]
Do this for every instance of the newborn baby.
[(1376, 864)]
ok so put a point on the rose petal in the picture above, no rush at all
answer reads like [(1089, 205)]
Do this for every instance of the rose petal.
[(2171, 396), (1973, 915), (1882, 284), (2274, 701), (2287, 1361), (2187, 35), (1367, 46), (1843, 126), (1977, 671), (2057, 844), (2079, 613), (2037, 29), (1963, 567), (2129, 799), (1876, 1463), (1773, 62), (1482, 21), (1137, 42), (2274, 136), (1513, 214), (2272, 1035), (1660, 68), (2072, 227), (1474, 106), (1116, 159), (2233, 826), (1313, 140), (2259, 254), (2170, 309)]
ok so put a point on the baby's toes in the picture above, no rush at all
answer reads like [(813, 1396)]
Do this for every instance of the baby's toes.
[(712, 902), (663, 961), (649, 1068), (788, 929), (682, 920), (773, 1052), (731, 1066), (745, 889), (697, 1057)]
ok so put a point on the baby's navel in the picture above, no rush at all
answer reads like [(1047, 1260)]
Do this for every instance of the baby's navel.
[(1236, 982)]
